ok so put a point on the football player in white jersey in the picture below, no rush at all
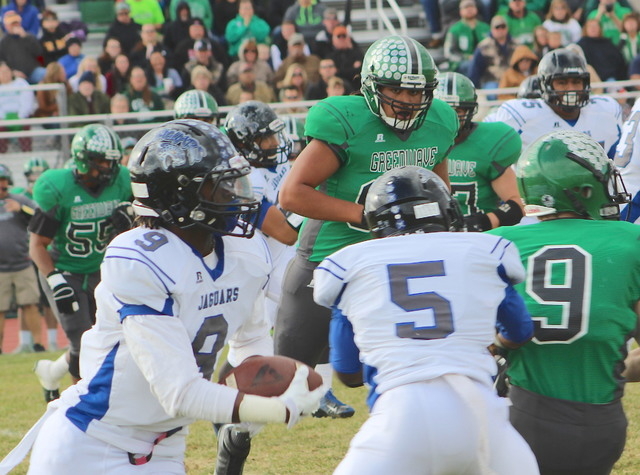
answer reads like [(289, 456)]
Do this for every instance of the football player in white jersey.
[(566, 104), (627, 160), (413, 315), (259, 135), (173, 291)]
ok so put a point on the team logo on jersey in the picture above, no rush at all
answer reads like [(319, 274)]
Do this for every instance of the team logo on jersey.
[(556, 125), (548, 201), (198, 277), (218, 297), (380, 138), (77, 199)]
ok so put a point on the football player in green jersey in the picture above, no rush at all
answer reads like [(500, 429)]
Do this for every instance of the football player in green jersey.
[(352, 141), (483, 182), (568, 381), (74, 221)]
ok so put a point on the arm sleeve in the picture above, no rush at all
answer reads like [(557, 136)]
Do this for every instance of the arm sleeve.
[(344, 354), (176, 381), (514, 321), (329, 282)]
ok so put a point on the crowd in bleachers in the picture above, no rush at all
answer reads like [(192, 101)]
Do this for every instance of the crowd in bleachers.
[(280, 50), (235, 50)]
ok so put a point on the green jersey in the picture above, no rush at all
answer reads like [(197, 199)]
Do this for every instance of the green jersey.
[(366, 148), (83, 227), (582, 284), (481, 158)]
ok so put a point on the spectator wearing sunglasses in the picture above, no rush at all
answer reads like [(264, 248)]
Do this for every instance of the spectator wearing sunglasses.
[(346, 56), (248, 53), (492, 55)]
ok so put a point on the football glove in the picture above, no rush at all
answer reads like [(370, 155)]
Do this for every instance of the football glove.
[(477, 222), (63, 294), (122, 218), (298, 399)]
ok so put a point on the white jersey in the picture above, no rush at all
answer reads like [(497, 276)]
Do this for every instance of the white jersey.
[(163, 314), (627, 160), (266, 186), (601, 119), (421, 305)]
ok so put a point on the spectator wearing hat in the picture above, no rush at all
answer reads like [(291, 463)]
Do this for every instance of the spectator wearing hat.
[(310, 62), (146, 12), (245, 25), (89, 63), (149, 42), (492, 55), (463, 37), (204, 56), (247, 82), (321, 45), (88, 100), (198, 9), (248, 53), (54, 37), (308, 16), (185, 50), (176, 30), (28, 13), (280, 43), (74, 56), (346, 55), (124, 28), (21, 50)]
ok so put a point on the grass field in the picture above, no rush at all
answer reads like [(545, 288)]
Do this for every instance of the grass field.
[(314, 446)]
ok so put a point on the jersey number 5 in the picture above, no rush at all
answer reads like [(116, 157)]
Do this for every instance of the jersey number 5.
[(400, 277)]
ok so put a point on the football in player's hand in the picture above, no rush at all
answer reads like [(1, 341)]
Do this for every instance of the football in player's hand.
[(267, 376)]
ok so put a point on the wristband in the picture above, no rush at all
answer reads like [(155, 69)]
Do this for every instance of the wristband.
[(56, 278), (508, 213)]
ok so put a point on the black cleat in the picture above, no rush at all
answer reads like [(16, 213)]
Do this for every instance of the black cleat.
[(331, 406), (233, 449)]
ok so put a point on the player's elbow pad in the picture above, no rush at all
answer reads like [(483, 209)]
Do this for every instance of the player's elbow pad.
[(509, 213)]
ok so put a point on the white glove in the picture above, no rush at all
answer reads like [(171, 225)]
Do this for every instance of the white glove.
[(298, 399)]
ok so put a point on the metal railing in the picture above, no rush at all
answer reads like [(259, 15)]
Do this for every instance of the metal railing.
[(383, 19)]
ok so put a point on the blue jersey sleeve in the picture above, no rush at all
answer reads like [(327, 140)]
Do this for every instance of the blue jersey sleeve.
[(344, 354), (514, 321)]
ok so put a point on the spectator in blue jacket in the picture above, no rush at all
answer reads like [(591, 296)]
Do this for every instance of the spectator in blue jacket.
[(28, 13), (71, 60)]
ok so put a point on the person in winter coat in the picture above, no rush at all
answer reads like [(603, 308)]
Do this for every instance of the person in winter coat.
[(524, 63)]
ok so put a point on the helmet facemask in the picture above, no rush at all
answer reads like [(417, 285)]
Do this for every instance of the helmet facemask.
[(226, 202), (267, 157), (406, 115), (570, 100)]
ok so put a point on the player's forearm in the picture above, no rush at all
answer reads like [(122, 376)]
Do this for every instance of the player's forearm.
[(311, 203), (39, 255)]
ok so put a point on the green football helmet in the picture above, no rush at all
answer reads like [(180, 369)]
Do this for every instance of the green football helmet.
[(35, 167), (96, 142), (398, 62), (196, 104), (567, 171), (459, 92)]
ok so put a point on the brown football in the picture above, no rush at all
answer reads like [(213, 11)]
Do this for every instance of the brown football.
[(267, 376)]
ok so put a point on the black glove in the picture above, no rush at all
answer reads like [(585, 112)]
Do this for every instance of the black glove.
[(63, 294), (477, 222), (122, 218)]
